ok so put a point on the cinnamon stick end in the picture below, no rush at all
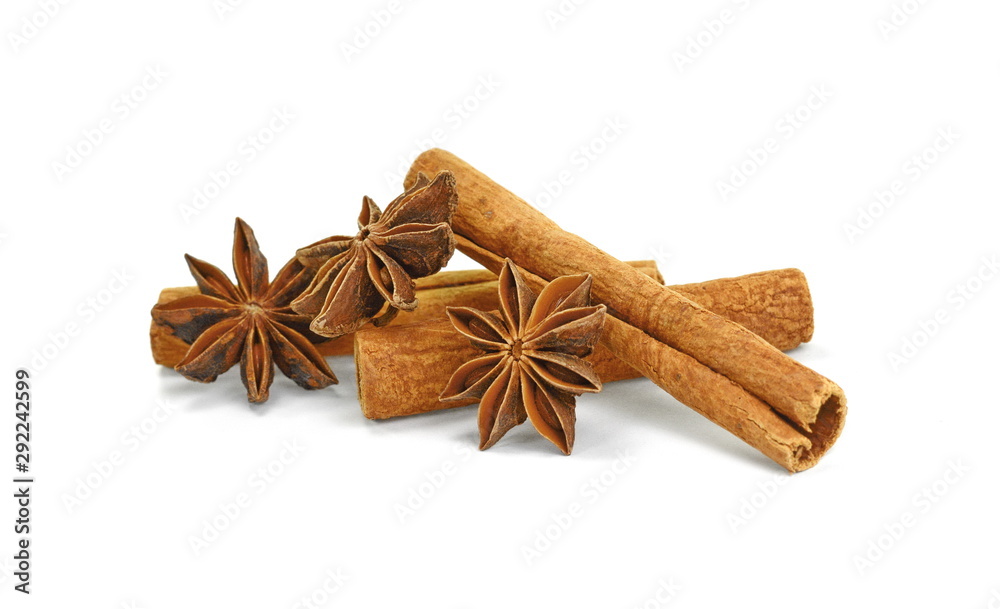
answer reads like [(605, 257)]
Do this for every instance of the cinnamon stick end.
[(168, 350), (825, 430)]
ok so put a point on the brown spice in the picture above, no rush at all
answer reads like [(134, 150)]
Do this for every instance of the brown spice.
[(357, 277), (665, 328), (250, 322), (534, 367)]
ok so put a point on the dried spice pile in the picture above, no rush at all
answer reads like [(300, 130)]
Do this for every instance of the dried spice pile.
[(557, 319)]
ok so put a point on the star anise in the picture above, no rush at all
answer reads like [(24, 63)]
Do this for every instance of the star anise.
[(250, 322), (535, 367), (356, 277)]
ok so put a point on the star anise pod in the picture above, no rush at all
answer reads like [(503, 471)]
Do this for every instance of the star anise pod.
[(250, 322), (534, 367), (357, 277)]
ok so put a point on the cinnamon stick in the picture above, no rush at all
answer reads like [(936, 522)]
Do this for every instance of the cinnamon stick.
[(789, 412), (774, 304), (401, 370)]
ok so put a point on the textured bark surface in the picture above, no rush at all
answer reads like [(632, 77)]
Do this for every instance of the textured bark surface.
[(775, 305), (497, 224)]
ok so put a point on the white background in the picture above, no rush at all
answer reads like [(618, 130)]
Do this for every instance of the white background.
[(667, 531)]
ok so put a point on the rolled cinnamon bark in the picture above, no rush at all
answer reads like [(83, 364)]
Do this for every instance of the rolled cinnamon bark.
[(402, 369), (774, 304), (708, 362)]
